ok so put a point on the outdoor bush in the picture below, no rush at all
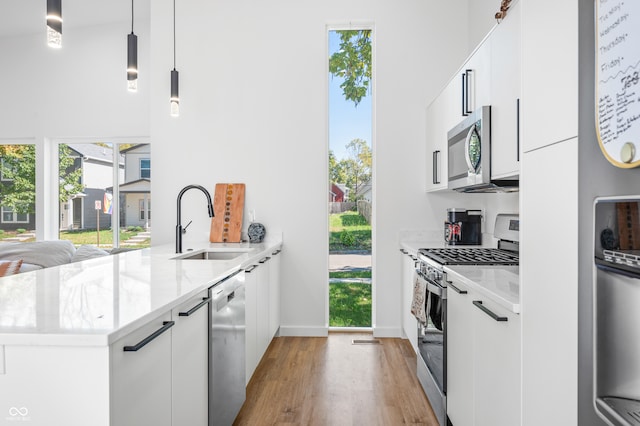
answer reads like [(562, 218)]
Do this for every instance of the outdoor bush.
[(137, 228), (347, 238), (21, 230), (1, 231)]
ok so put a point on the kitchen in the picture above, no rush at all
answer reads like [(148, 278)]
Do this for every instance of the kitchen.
[(241, 108)]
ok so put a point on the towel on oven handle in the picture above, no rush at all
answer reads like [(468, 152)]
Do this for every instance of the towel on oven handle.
[(420, 297)]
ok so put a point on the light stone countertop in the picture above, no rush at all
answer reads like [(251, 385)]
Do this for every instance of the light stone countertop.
[(97, 301)]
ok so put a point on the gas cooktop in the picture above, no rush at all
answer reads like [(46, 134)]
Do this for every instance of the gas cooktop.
[(470, 256)]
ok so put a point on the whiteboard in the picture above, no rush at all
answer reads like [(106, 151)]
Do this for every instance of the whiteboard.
[(618, 80)]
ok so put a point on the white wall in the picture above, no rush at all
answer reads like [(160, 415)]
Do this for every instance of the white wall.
[(481, 20), (253, 92)]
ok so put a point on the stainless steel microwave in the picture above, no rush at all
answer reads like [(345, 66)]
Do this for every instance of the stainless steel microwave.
[(469, 153)]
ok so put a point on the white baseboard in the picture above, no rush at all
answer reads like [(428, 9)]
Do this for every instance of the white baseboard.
[(387, 332), (303, 331)]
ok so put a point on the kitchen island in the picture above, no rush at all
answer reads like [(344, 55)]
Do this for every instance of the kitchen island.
[(59, 327)]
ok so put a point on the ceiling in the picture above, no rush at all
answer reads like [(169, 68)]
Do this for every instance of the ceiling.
[(21, 17)]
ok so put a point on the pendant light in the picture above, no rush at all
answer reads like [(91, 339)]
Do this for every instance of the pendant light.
[(54, 23), (132, 58), (175, 97)]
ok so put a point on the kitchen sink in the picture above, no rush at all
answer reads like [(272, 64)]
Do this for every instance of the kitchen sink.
[(212, 255)]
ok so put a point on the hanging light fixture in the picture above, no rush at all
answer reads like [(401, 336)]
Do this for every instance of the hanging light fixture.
[(175, 97), (54, 23), (132, 58)]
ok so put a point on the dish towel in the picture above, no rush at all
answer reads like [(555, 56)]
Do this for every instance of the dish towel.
[(419, 302)]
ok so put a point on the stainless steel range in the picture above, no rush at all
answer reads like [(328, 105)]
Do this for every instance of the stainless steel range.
[(432, 328)]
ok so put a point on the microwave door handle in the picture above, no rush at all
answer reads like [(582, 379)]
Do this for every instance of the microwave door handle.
[(467, 142)]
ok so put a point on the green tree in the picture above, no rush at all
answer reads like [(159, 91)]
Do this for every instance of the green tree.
[(357, 166), (352, 62), (18, 170), (337, 172)]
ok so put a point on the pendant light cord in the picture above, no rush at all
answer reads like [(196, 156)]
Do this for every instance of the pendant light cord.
[(131, 16)]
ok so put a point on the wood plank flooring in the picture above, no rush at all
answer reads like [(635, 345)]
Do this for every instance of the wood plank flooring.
[(330, 381)]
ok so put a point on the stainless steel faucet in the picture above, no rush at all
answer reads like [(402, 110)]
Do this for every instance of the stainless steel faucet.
[(179, 230)]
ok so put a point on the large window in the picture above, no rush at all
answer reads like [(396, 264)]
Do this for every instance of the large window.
[(100, 189), (17, 192)]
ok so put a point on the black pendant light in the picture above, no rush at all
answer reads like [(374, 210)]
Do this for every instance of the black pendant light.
[(175, 97), (132, 58), (54, 23)]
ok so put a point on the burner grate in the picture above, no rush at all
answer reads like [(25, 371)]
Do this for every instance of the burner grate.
[(470, 256)]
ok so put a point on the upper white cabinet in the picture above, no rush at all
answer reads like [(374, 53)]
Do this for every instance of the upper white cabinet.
[(475, 75), (505, 95), (437, 141), (549, 107)]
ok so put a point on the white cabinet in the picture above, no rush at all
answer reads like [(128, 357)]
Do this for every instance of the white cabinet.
[(549, 108), (409, 322), (505, 95), (459, 362), (476, 74), (140, 386), (262, 317), (496, 364), (190, 362), (483, 360), (274, 293)]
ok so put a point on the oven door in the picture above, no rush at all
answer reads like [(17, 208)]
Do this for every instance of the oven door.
[(432, 359)]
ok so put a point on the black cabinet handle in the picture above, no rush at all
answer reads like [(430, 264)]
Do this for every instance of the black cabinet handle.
[(205, 300), (264, 259), (436, 171), (479, 304), (467, 78), (275, 253), (250, 269), (456, 289), (518, 129), (165, 326), (464, 91), (403, 251), (414, 258)]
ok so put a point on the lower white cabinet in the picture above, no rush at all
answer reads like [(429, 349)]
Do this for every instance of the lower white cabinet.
[(409, 322), (190, 362), (483, 360), (140, 388), (262, 315)]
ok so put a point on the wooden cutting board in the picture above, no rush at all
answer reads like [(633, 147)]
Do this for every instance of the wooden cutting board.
[(228, 207)]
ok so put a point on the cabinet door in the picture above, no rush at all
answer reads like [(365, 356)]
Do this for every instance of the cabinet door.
[(460, 354), (478, 74), (190, 361), (497, 365), (274, 294), (549, 109), (505, 96), (262, 308), (442, 115), (251, 331), (141, 379), (409, 322)]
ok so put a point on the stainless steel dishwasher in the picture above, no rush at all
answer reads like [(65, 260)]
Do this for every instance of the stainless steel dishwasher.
[(227, 349)]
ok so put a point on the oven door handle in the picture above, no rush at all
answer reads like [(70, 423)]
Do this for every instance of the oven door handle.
[(432, 287)]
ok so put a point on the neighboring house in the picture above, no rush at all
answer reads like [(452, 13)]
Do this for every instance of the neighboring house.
[(135, 192), (338, 193), (96, 162), (364, 191)]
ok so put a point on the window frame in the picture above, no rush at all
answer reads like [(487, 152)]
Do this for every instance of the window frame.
[(141, 168)]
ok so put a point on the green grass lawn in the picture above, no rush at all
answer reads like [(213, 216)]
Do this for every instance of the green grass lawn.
[(350, 274), (350, 305), (349, 231), (81, 237)]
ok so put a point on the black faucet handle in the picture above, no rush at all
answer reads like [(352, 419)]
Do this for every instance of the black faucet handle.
[(184, 230)]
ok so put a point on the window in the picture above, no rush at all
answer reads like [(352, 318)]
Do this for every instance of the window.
[(10, 216), (6, 170), (145, 168)]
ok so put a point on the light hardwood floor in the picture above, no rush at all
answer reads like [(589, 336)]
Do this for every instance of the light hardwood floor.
[(330, 381)]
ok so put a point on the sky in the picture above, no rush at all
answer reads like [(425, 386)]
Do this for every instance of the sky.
[(346, 121)]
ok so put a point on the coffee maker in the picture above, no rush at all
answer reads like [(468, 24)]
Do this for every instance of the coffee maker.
[(463, 227)]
